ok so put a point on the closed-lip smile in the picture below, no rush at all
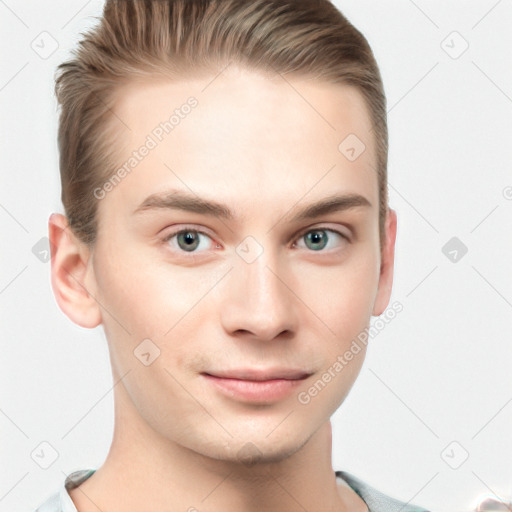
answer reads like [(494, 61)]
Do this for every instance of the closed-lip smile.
[(256, 385), (261, 374)]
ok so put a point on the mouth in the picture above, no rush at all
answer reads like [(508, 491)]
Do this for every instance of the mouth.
[(254, 374), (252, 385)]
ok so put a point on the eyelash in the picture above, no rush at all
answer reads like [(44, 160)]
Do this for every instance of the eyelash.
[(193, 254)]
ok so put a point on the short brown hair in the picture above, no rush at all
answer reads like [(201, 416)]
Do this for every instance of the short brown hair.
[(142, 39)]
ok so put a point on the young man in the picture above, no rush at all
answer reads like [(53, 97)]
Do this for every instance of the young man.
[(223, 168)]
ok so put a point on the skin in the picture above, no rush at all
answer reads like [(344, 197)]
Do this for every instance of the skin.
[(254, 144)]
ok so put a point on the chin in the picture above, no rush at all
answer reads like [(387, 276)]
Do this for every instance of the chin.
[(255, 450)]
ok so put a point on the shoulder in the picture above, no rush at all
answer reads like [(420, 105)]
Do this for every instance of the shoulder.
[(376, 500), (61, 501), (52, 504)]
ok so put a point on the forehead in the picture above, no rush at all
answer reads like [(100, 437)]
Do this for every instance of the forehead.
[(247, 134)]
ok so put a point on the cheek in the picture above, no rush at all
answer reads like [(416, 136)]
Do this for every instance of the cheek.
[(344, 303), (141, 291), (145, 297), (341, 296), (141, 300)]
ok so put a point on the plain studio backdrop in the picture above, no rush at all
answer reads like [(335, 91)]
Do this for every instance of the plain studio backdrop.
[(429, 419)]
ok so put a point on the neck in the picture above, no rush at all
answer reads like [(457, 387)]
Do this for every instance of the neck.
[(146, 471)]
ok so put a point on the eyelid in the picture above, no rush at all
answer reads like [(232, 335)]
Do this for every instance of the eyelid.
[(184, 227), (324, 227)]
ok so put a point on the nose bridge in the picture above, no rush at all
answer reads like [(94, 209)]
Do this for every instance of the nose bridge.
[(260, 300), (258, 264), (261, 281)]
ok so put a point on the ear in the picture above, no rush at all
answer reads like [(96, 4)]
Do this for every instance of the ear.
[(72, 274), (386, 266)]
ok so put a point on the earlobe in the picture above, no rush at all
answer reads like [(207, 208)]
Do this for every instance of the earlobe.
[(71, 274), (387, 265)]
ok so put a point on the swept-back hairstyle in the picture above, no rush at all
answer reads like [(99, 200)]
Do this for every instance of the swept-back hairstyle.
[(145, 39)]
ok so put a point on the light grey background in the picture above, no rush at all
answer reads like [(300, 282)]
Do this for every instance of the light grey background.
[(437, 383)]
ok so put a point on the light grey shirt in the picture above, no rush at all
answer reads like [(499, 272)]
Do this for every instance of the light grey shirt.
[(375, 500)]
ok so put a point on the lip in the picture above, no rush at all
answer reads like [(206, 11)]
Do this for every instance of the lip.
[(258, 374), (257, 385)]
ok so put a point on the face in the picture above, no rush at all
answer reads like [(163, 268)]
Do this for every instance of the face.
[(199, 302)]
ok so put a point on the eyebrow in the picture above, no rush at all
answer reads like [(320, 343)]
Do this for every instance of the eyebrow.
[(178, 200)]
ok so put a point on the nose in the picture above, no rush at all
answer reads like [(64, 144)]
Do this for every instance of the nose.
[(259, 300)]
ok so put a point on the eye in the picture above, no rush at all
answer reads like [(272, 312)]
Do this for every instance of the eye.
[(190, 239), (318, 239), (187, 239)]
